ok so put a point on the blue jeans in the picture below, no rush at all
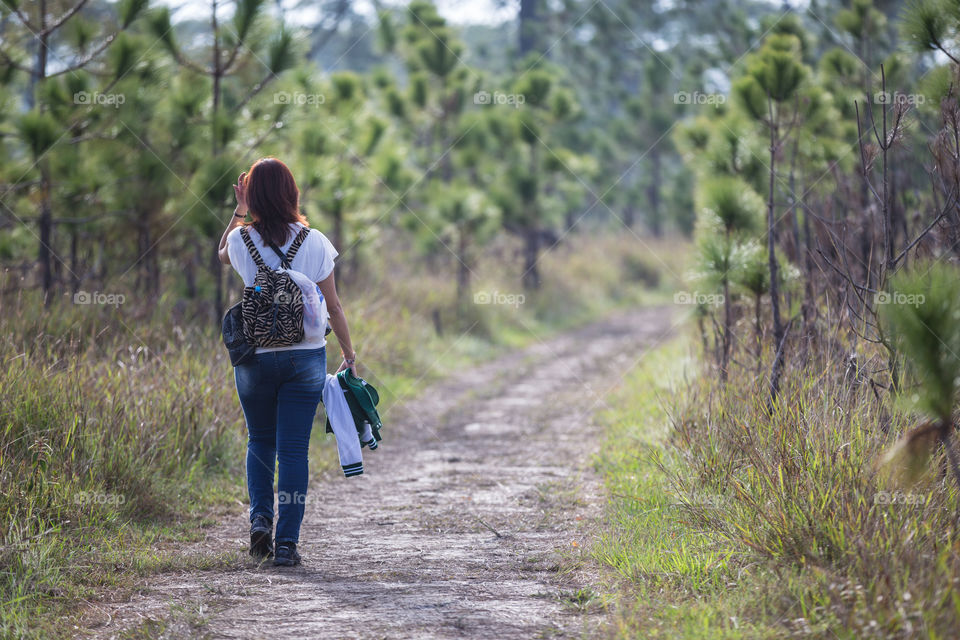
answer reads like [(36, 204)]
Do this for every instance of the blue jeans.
[(279, 392)]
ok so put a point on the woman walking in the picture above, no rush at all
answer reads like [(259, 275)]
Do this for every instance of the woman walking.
[(280, 388)]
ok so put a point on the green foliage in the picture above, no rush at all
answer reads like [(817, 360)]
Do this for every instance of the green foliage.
[(130, 10), (778, 74), (124, 54), (208, 194), (862, 19), (439, 55), (693, 135), (922, 311), (81, 32), (386, 31), (715, 254), (924, 24), (734, 204), (751, 97), (347, 88), (280, 52), (244, 17), (39, 131), (419, 89), (751, 273), (158, 23), (799, 38), (839, 65), (938, 83), (535, 86)]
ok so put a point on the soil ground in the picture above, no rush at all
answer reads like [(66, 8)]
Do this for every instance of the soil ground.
[(472, 520)]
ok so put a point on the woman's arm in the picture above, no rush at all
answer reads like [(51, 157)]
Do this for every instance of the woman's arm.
[(338, 320), (236, 220)]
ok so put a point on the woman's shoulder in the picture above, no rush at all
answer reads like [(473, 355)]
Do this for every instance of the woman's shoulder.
[(234, 235)]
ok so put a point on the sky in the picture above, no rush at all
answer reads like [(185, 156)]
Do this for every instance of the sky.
[(455, 11)]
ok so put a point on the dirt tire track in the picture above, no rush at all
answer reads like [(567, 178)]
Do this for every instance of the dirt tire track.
[(463, 525)]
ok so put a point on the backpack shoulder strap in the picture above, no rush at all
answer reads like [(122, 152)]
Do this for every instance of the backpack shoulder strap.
[(292, 251), (283, 259), (287, 260), (251, 248)]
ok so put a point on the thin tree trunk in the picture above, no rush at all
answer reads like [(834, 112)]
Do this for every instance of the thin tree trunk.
[(531, 250), (758, 327), (528, 27), (653, 194), (216, 268), (727, 329), (74, 260), (463, 271), (809, 302), (45, 221), (772, 255)]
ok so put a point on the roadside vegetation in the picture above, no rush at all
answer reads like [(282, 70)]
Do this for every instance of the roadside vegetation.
[(803, 474)]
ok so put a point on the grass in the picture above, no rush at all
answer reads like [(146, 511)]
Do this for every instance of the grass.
[(669, 577), (120, 432), (726, 521)]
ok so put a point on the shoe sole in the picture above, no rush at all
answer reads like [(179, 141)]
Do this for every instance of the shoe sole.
[(260, 546), (285, 562)]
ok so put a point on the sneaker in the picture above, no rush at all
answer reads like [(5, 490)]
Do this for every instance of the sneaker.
[(261, 537), (286, 555)]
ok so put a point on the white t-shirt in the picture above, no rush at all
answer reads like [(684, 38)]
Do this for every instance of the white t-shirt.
[(314, 259)]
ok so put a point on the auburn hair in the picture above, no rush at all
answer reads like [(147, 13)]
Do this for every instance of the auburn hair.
[(273, 200)]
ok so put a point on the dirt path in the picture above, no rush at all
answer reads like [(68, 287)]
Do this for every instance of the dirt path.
[(468, 523)]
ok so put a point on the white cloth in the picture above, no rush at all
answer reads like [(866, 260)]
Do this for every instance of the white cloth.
[(366, 438), (344, 429), (314, 259), (314, 308)]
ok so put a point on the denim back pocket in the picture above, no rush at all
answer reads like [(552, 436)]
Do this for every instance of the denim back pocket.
[(248, 375), (309, 363)]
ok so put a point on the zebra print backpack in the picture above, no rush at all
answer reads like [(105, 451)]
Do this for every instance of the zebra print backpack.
[(272, 309)]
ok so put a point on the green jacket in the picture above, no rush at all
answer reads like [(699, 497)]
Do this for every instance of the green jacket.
[(362, 398)]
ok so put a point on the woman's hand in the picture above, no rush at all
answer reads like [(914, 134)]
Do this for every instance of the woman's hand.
[(349, 363), (240, 190)]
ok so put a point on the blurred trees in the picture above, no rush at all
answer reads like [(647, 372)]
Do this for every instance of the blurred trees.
[(62, 52), (611, 117)]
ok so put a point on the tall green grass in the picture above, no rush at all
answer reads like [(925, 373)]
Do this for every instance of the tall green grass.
[(727, 520), (669, 576), (105, 442), (800, 489)]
